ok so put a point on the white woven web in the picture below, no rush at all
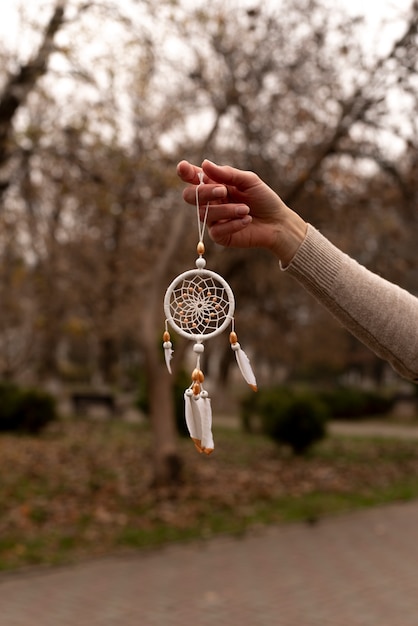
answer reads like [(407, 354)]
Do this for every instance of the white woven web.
[(200, 304)]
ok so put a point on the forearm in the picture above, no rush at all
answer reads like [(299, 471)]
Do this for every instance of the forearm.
[(380, 314)]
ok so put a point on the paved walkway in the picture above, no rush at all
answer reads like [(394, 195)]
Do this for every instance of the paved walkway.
[(353, 428), (359, 569), (373, 428)]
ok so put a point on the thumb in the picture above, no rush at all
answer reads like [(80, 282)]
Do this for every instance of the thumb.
[(228, 175)]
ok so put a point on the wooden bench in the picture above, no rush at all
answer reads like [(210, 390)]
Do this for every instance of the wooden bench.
[(82, 401)]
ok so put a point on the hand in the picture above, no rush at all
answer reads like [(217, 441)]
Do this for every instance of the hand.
[(244, 212)]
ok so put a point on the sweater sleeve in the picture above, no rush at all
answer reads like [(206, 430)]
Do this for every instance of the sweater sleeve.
[(380, 314)]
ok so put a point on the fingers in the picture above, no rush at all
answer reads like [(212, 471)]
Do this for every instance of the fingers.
[(225, 212), (188, 172), (225, 191), (229, 175), (226, 232), (207, 193), (220, 181)]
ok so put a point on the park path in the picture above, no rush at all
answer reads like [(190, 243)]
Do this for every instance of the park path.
[(360, 428), (375, 429), (359, 569)]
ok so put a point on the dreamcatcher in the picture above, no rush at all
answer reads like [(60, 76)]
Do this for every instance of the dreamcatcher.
[(199, 304)]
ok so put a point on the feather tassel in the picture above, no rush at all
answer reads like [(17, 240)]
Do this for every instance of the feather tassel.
[(193, 418), (244, 365), (167, 345), (168, 353), (206, 420)]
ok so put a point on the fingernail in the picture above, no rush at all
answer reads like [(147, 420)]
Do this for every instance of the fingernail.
[(242, 210), (219, 192), (246, 220)]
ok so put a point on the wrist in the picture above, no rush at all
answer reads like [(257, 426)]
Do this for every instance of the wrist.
[(290, 235)]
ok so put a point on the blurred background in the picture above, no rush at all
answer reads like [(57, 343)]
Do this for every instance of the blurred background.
[(99, 101)]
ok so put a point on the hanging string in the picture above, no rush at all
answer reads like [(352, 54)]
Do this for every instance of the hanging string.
[(201, 225)]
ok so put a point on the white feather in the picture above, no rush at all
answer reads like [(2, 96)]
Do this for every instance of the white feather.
[(244, 366), (192, 414), (168, 353), (193, 418), (206, 417)]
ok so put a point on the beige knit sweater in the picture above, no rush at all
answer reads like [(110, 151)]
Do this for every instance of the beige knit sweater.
[(380, 314)]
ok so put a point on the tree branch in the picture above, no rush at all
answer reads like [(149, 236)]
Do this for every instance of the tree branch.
[(353, 110), (21, 83)]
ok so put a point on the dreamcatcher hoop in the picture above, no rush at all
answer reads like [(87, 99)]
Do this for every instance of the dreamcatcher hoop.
[(199, 304)]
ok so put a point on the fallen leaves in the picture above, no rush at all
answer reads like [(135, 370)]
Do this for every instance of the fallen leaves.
[(81, 488)]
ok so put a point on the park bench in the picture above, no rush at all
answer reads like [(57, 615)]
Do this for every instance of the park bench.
[(82, 401)]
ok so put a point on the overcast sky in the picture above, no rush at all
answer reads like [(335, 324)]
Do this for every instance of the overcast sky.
[(374, 10), (374, 35)]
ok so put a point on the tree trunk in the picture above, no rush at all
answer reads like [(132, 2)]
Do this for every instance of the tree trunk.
[(166, 460)]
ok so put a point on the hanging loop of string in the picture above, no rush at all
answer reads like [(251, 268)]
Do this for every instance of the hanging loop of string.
[(201, 225)]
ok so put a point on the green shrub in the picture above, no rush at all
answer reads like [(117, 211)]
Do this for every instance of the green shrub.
[(25, 410), (10, 395), (353, 403), (36, 410), (249, 409), (291, 418)]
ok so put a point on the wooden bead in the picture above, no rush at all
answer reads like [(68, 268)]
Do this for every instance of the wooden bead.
[(233, 337), (200, 248), (198, 376), (196, 389), (166, 336)]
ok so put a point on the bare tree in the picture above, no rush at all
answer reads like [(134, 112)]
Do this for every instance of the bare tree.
[(93, 215), (20, 84)]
